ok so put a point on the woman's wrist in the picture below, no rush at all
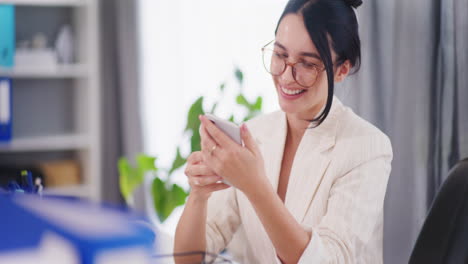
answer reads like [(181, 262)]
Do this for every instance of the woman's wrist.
[(198, 197), (252, 189)]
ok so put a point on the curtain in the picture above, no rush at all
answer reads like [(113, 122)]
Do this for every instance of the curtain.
[(413, 86), (121, 125), (449, 94)]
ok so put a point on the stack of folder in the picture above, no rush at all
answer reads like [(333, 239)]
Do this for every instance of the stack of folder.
[(37, 230), (7, 52)]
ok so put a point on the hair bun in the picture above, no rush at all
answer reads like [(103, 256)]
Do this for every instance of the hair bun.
[(354, 3)]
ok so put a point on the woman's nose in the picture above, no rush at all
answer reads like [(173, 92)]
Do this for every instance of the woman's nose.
[(287, 76)]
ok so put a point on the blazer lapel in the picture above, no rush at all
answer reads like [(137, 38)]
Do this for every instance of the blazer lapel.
[(272, 148), (310, 163), (271, 144)]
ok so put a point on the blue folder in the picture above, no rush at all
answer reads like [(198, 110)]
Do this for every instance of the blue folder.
[(5, 110), (55, 230), (7, 35)]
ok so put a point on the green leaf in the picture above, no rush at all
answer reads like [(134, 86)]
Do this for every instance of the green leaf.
[(178, 194), (124, 174), (251, 115), (222, 86), (213, 109), (239, 76), (146, 163), (166, 200), (193, 123), (231, 118), (258, 104), (159, 197), (179, 161), (241, 100), (195, 110), (129, 178), (195, 141)]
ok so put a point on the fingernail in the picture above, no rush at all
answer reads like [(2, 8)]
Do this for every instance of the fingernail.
[(244, 128)]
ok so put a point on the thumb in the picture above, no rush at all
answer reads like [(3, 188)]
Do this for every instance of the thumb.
[(248, 139)]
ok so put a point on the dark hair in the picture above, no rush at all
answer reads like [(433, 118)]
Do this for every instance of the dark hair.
[(334, 19)]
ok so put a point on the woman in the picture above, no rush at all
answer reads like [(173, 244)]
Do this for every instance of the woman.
[(308, 185)]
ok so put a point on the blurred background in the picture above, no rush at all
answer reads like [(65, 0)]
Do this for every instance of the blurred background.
[(96, 80)]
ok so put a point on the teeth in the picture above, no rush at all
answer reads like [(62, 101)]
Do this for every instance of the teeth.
[(290, 92)]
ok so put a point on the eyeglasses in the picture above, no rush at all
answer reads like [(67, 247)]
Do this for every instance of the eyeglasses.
[(275, 62)]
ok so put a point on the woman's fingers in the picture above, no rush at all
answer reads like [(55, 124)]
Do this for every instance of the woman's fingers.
[(207, 142), (201, 178), (195, 157), (200, 181), (216, 187), (199, 169)]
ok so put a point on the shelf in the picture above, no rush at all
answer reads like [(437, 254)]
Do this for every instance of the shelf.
[(62, 71), (46, 2), (73, 190), (46, 143)]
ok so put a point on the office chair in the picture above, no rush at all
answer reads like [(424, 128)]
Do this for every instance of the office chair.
[(444, 236)]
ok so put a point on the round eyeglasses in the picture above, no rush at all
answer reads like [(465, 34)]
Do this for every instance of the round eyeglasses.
[(275, 62)]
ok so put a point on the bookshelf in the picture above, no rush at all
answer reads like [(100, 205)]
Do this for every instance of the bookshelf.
[(56, 110), (38, 3), (31, 72), (46, 143)]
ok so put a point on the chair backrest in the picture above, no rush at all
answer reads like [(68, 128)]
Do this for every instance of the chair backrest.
[(444, 236)]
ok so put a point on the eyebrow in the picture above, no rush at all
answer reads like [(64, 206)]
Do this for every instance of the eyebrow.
[(307, 54)]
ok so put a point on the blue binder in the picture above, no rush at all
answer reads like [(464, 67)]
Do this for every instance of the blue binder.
[(7, 33), (55, 230), (5, 110)]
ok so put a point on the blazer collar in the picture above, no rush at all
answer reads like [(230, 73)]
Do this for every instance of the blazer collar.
[(326, 131), (310, 161)]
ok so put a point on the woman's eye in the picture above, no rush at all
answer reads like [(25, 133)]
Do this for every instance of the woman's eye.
[(280, 55), (309, 65)]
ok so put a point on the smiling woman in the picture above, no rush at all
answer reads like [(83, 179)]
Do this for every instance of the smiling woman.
[(309, 181)]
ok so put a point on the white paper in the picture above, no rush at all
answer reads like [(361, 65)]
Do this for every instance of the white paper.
[(123, 256), (4, 102), (52, 249)]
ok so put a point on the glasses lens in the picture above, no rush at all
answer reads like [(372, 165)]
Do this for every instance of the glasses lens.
[(273, 62), (306, 74)]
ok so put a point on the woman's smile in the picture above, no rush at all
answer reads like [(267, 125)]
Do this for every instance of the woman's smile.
[(291, 93)]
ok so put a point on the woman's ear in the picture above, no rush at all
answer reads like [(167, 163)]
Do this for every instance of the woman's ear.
[(342, 71)]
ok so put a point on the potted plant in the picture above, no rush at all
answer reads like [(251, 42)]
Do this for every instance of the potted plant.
[(166, 195)]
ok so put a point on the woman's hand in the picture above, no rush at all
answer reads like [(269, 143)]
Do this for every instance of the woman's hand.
[(202, 179), (241, 166)]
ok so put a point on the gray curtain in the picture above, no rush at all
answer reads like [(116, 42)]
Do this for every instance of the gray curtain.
[(449, 93), (121, 124), (413, 85)]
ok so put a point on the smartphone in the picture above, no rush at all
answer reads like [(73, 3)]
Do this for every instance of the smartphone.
[(229, 128)]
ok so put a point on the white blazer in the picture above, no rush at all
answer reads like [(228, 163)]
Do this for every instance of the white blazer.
[(336, 189)]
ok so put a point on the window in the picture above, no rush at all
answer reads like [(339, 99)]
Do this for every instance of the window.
[(188, 48)]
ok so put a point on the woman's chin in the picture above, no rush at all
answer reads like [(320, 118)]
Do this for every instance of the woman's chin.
[(289, 108)]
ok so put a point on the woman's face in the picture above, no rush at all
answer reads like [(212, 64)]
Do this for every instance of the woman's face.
[(294, 44)]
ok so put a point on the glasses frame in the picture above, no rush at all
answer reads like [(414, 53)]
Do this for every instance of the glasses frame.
[(292, 65)]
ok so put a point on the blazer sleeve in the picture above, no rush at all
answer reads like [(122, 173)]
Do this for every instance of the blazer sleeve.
[(223, 220), (355, 202)]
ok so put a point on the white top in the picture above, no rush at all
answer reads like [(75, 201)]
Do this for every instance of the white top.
[(336, 189)]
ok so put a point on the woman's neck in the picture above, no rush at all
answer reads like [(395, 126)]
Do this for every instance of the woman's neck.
[(298, 122), (296, 127)]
